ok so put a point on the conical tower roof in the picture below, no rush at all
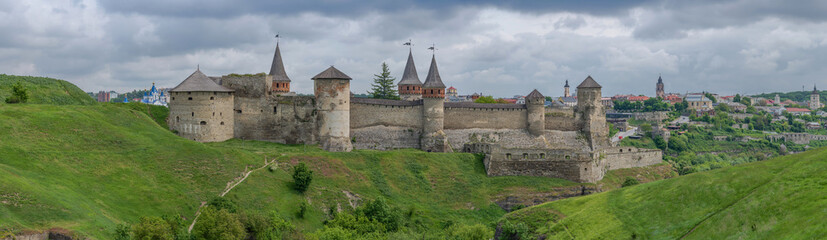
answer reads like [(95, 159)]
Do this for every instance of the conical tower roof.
[(277, 68), (814, 89), (534, 95), (660, 80), (410, 77), (433, 80), (589, 83), (331, 73), (567, 83), (198, 82)]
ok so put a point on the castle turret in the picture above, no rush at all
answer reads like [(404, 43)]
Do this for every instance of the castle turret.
[(566, 89), (591, 112), (536, 112), (277, 80), (332, 89), (433, 99), (201, 110), (815, 99), (410, 88), (659, 88)]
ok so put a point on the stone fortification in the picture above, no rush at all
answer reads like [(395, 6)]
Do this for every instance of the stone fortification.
[(519, 139)]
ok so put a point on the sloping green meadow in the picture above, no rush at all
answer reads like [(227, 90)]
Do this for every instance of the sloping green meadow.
[(782, 198)]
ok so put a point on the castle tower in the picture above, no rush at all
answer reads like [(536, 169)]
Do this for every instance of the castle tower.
[(332, 90), (410, 88), (591, 113), (659, 88), (815, 99), (566, 89), (433, 99), (536, 112), (201, 110), (277, 79)]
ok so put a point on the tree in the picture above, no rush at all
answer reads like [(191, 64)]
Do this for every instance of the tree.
[(737, 98), (383, 85), (19, 94), (302, 176), (659, 142), (489, 99), (218, 224), (152, 228)]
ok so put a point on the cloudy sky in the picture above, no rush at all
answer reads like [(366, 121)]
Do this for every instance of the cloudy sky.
[(501, 48)]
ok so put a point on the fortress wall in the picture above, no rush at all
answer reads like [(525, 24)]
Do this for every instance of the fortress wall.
[(202, 116), (368, 115), (515, 138), (385, 137), (565, 164), (629, 157), (562, 119), (490, 118), (288, 119)]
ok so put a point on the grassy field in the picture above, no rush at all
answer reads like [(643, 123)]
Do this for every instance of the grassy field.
[(88, 168), (44, 90), (782, 198)]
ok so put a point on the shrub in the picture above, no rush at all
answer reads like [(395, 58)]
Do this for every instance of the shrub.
[(222, 203), (217, 224), (630, 181), (470, 232), (153, 228), (302, 209), (19, 94), (380, 211), (122, 232), (302, 176), (514, 231)]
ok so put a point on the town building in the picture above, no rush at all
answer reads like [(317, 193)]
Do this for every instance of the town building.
[(698, 102), (659, 88), (815, 99), (154, 97), (103, 96)]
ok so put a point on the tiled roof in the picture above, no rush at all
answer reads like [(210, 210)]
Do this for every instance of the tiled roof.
[(433, 80), (589, 83), (331, 73), (277, 68), (410, 77), (534, 94), (198, 82)]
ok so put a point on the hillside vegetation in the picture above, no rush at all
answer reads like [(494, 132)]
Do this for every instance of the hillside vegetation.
[(782, 198), (43, 90)]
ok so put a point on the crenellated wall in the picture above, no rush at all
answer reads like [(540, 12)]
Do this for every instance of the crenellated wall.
[(379, 112)]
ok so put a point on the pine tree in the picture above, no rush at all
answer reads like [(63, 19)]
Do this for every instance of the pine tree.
[(383, 85)]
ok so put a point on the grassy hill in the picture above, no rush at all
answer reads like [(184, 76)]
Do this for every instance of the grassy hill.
[(782, 198), (43, 90)]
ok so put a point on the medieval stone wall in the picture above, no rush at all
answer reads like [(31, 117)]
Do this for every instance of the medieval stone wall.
[(557, 163), (202, 116), (289, 119), (385, 137), (562, 119), (368, 115), (490, 118), (629, 157)]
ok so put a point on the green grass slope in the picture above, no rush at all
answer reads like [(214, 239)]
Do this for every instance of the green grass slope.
[(43, 90), (88, 168), (782, 198)]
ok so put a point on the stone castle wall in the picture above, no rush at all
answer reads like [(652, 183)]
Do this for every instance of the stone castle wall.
[(630, 157), (202, 116), (378, 113), (489, 117)]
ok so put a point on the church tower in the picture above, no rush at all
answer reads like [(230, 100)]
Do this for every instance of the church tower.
[(659, 88), (410, 88), (566, 89), (815, 99), (592, 116), (278, 77), (433, 110)]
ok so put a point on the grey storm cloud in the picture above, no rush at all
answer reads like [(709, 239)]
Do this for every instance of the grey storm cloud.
[(502, 48)]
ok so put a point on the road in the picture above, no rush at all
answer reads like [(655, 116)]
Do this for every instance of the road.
[(631, 131)]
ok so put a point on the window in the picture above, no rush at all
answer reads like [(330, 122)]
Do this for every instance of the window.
[(542, 156), (275, 109), (568, 157), (621, 150), (193, 114), (508, 156), (213, 114), (178, 119), (173, 98), (238, 110), (222, 123), (214, 93), (212, 98), (525, 155), (203, 122), (190, 98), (188, 93)]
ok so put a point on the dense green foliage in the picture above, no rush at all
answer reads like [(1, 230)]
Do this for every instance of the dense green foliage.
[(19, 94), (42, 90), (630, 181), (214, 224), (302, 176), (799, 96), (383, 85), (489, 99), (650, 105), (781, 198)]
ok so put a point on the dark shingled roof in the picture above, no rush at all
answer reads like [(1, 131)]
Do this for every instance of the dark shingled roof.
[(814, 89), (331, 73), (589, 83), (409, 77), (277, 69), (567, 83), (198, 82), (433, 80), (660, 80), (535, 94), (387, 102), (483, 105)]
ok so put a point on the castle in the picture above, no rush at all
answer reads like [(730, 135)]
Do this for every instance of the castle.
[(517, 139)]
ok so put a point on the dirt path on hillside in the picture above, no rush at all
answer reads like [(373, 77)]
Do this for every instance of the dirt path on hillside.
[(230, 185)]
